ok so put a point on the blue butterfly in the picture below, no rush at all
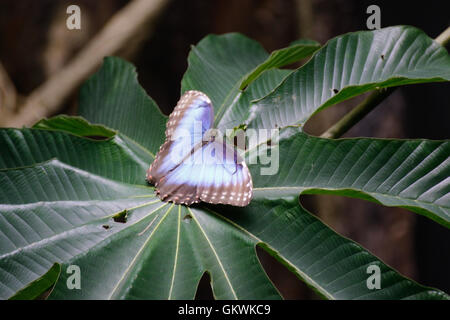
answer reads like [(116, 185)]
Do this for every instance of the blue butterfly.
[(194, 164)]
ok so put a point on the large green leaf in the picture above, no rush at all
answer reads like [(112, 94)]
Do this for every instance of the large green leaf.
[(162, 250), (217, 66), (134, 114), (53, 212), (220, 65), (75, 125), (350, 65), (34, 289), (113, 158), (296, 51), (74, 197), (332, 265), (67, 214), (412, 174)]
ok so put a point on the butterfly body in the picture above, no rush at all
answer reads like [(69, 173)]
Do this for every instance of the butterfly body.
[(193, 164)]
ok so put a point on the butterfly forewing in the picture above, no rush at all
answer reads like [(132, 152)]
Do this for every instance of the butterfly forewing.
[(191, 118)]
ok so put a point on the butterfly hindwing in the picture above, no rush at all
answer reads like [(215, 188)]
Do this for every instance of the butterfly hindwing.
[(214, 173), (206, 169), (231, 182)]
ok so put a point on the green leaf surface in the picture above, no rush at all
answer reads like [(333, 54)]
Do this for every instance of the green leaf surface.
[(221, 65), (298, 50), (34, 289), (134, 259), (65, 214), (114, 158), (217, 65), (75, 125), (412, 174), (350, 65), (335, 267), (113, 97)]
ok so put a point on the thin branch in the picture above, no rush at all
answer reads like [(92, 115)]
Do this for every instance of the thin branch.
[(373, 100), (8, 93), (48, 98), (444, 38), (357, 113)]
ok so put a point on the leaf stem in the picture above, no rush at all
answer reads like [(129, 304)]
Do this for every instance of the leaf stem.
[(373, 100)]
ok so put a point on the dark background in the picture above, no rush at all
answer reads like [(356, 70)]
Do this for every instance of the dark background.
[(34, 43)]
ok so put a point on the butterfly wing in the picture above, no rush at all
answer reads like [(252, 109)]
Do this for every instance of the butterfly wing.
[(213, 173), (190, 119), (192, 170)]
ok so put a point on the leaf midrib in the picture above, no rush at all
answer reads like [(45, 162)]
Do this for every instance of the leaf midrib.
[(141, 249), (215, 254), (176, 253), (301, 273), (60, 234)]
